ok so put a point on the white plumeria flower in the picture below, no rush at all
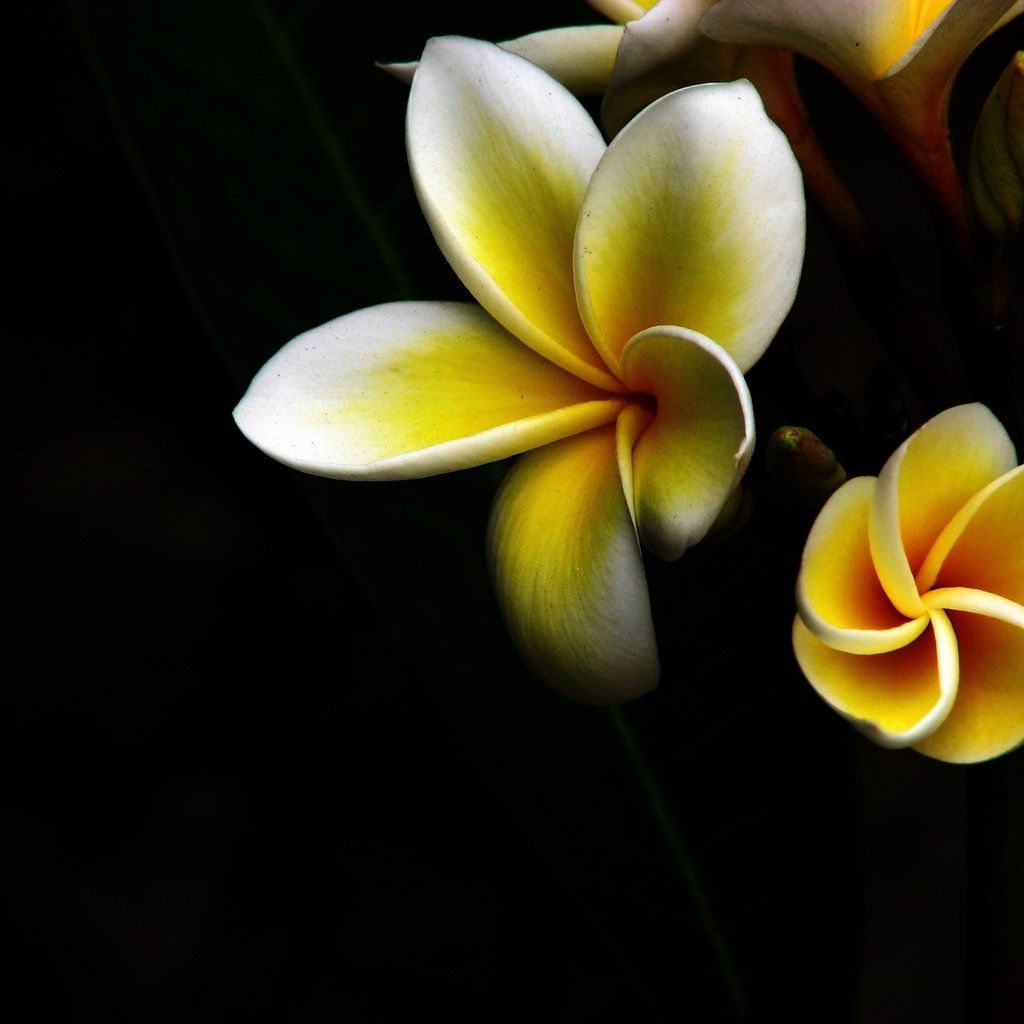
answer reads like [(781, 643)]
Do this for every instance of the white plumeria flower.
[(623, 291), (911, 593), (899, 56)]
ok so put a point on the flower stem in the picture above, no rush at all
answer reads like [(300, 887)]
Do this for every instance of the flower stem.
[(659, 808)]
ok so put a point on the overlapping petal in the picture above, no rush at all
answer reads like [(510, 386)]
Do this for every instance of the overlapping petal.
[(898, 697), (946, 508), (691, 456), (501, 155), (411, 389), (707, 236), (983, 546), (987, 718), (838, 594), (926, 481), (568, 571), (860, 38)]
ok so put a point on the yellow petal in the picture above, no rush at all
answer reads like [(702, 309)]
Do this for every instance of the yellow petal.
[(622, 10), (896, 698), (501, 155), (568, 572), (840, 598), (689, 459), (983, 546), (988, 717), (694, 217), (412, 389), (857, 39), (924, 484)]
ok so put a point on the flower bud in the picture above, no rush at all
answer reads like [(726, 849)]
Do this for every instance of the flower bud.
[(995, 188), (801, 467)]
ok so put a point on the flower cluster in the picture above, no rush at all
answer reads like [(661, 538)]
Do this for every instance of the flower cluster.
[(622, 290)]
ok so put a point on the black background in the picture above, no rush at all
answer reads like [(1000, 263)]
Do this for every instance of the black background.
[(267, 753)]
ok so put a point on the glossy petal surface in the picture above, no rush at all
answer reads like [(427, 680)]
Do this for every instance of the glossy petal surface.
[(501, 155), (708, 235), (568, 572), (838, 592), (412, 389), (863, 38), (926, 481), (691, 456), (988, 717), (897, 697)]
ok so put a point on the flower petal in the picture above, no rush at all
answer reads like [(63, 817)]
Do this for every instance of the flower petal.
[(568, 571), (837, 592), (411, 389), (983, 546), (622, 10), (581, 57), (988, 717), (694, 217), (924, 484), (896, 698), (501, 155), (694, 452), (861, 39)]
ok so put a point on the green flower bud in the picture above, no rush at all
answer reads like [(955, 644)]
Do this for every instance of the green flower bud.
[(995, 184), (801, 467)]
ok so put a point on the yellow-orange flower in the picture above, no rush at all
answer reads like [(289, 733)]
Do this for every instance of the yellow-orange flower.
[(911, 593)]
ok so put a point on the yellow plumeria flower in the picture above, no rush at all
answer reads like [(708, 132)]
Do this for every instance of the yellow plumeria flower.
[(622, 292), (911, 593), (899, 56)]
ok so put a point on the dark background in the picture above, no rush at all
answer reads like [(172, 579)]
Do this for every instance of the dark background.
[(268, 754)]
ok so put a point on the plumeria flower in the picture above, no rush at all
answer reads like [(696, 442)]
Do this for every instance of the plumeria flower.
[(899, 56), (911, 593), (622, 292)]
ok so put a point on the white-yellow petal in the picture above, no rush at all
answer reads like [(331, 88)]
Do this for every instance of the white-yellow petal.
[(412, 389), (622, 10), (581, 57), (924, 484), (838, 594), (501, 155), (897, 698), (858, 39), (694, 217), (568, 571), (692, 454)]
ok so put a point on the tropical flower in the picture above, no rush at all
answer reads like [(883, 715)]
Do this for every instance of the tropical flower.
[(911, 593), (899, 56), (623, 291)]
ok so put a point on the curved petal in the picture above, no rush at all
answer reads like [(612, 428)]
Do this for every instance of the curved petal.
[(979, 602), (983, 546), (988, 717), (837, 590), (411, 389), (690, 458), (897, 698), (694, 217), (622, 10), (858, 39), (568, 572), (923, 485), (580, 57), (501, 155), (661, 52), (950, 40)]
